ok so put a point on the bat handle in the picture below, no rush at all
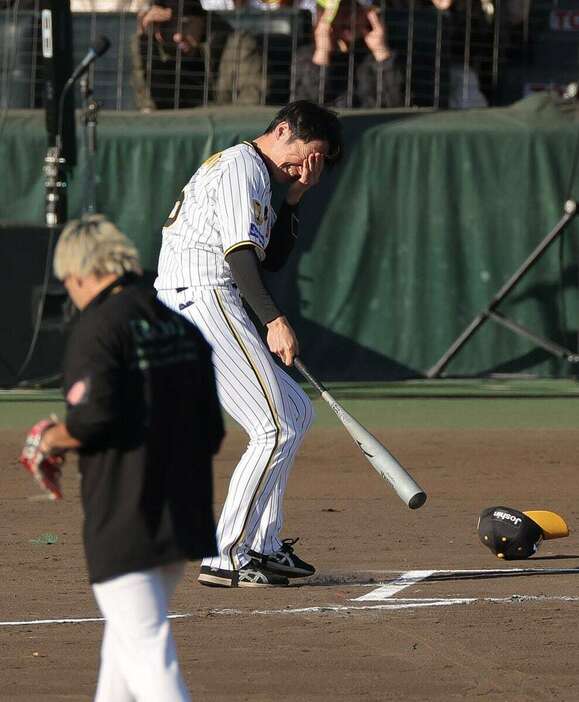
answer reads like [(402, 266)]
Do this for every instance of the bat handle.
[(308, 376)]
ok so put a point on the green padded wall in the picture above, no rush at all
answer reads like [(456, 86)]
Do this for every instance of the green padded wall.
[(400, 247)]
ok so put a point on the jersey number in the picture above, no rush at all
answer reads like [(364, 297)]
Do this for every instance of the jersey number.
[(171, 219)]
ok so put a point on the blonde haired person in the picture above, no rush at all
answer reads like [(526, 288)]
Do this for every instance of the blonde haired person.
[(94, 248), (143, 415)]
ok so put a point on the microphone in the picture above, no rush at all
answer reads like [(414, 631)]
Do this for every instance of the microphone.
[(99, 46)]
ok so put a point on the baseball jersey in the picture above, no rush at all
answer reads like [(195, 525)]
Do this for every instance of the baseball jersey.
[(225, 205)]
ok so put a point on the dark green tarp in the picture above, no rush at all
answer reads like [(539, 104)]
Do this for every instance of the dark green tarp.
[(401, 247)]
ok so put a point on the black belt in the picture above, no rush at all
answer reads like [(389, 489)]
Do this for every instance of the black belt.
[(233, 285)]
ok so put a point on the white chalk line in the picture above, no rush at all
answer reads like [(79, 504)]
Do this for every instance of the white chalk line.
[(382, 593), (412, 577), (386, 591), (483, 571), (80, 620), (398, 604), (406, 603)]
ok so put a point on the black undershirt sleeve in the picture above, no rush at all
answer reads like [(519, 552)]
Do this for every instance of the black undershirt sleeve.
[(247, 274), (283, 237)]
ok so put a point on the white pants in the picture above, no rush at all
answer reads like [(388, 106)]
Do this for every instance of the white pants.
[(266, 402), (138, 656)]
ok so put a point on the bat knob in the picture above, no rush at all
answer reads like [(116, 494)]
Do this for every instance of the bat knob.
[(417, 500)]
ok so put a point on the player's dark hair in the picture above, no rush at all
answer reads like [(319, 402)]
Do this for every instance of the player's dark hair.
[(309, 121)]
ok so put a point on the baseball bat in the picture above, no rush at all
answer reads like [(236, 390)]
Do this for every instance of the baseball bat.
[(378, 455)]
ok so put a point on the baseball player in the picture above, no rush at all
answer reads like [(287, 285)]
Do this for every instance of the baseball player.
[(219, 236), (143, 414)]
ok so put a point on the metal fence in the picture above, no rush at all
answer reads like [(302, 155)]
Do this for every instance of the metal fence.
[(475, 53)]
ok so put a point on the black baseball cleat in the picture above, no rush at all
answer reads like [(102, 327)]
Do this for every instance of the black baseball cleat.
[(249, 575), (283, 562)]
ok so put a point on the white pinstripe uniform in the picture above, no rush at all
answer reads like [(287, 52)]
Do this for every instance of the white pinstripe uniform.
[(227, 204)]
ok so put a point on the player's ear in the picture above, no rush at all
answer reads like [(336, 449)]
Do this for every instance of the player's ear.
[(282, 130)]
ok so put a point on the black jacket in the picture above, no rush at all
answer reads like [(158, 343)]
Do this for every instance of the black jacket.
[(375, 84), (141, 399)]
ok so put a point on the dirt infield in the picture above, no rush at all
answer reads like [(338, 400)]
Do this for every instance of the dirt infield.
[(438, 635)]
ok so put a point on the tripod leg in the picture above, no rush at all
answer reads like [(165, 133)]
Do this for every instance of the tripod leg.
[(569, 212), (441, 364), (550, 346)]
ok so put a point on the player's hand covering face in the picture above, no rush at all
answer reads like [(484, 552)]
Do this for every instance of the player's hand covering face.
[(306, 175), (311, 169), (290, 155)]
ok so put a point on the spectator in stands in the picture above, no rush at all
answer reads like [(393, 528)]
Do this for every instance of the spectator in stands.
[(323, 75), (184, 62), (254, 4), (18, 31), (107, 5), (494, 52), (464, 81)]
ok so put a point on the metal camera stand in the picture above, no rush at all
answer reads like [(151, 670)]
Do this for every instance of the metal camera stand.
[(55, 186), (90, 111), (491, 312)]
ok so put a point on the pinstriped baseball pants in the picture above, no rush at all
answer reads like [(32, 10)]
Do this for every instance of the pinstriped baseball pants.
[(266, 402)]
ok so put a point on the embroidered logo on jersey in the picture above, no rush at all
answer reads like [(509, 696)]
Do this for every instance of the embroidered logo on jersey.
[(78, 393), (175, 211), (259, 213), (256, 234), (212, 160), (163, 343)]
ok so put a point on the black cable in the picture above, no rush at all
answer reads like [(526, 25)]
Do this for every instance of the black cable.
[(40, 307), (9, 61), (45, 381), (9, 56)]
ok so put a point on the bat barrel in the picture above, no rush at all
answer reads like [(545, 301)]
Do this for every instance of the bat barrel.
[(386, 465), (416, 501), (377, 455)]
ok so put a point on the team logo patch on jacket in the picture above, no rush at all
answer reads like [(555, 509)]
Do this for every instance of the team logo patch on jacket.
[(78, 392)]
